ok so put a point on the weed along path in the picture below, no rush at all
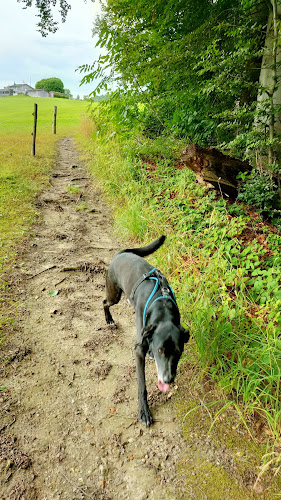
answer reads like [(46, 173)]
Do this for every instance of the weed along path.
[(69, 423)]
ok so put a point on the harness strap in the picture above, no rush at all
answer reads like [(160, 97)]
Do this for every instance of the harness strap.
[(160, 282), (143, 277), (149, 299)]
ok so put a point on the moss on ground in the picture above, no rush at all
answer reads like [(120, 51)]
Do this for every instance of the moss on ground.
[(223, 460)]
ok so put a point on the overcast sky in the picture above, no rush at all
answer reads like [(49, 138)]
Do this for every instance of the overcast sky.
[(26, 56)]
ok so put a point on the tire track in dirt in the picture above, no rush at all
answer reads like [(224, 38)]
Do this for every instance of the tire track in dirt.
[(71, 378)]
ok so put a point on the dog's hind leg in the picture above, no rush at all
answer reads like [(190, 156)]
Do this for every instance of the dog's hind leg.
[(113, 295)]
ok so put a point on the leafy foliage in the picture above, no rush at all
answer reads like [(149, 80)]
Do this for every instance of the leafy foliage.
[(190, 70), (50, 84), (260, 190), (47, 24), (188, 62)]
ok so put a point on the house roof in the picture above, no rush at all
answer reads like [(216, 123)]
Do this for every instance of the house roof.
[(18, 85)]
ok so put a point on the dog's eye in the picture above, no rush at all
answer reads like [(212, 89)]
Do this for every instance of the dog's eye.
[(160, 351)]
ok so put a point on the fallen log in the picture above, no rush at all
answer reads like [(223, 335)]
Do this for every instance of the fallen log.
[(214, 169)]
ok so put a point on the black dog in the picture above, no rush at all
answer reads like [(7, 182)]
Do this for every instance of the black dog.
[(157, 316)]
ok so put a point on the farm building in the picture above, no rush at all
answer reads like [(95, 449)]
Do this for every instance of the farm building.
[(39, 93), (19, 88), (5, 92), (24, 88)]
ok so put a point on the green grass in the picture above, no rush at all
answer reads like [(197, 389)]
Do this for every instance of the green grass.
[(73, 189), (23, 176), (223, 264), (16, 115)]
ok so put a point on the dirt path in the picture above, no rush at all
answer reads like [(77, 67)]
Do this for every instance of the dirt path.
[(70, 412)]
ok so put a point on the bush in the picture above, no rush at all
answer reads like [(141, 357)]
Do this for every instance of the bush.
[(261, 191), (58, 95)]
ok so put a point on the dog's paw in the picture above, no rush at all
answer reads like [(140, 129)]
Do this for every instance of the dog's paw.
[(109, 319), (111, 322), (111, 326), (145, 416)]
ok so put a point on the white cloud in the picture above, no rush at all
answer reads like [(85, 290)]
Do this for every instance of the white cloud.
[(27, 56)]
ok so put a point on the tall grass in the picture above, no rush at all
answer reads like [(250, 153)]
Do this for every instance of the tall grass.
[(211, 263)]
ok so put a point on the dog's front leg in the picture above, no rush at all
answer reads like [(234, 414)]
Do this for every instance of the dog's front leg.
[(144, 411)]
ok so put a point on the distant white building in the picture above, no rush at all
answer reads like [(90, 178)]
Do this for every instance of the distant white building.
[(39, 93), (19, 88), (5, 92), (24, 88)]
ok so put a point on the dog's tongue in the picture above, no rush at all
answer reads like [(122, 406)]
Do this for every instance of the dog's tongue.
[(163, 387)]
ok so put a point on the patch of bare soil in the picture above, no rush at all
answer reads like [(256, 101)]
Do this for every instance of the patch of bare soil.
[(69, 422)]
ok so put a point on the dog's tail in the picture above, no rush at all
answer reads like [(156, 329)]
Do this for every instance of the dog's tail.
[(148, 249)]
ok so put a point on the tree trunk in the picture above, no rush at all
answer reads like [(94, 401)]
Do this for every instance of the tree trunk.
[(214, 169), (270, 76)]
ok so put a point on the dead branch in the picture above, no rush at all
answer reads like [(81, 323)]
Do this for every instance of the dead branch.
[(41, 272)]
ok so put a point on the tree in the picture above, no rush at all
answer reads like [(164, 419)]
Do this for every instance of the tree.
[(68, 93), (47, 24), (270, 75), (50, 84), (189, 61), (197, 68)]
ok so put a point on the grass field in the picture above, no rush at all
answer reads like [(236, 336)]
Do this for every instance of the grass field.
[(22, 176)]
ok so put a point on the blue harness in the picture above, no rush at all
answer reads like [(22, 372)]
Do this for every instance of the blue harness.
[(160, 283)]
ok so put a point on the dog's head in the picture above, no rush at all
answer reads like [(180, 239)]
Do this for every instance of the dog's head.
[(165, 345)]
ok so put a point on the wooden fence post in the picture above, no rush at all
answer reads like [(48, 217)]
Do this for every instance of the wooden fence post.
[(34, 129), (55, 120)]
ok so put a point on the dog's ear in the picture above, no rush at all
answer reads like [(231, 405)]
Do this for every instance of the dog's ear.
[(147, 334), (185, 334)]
